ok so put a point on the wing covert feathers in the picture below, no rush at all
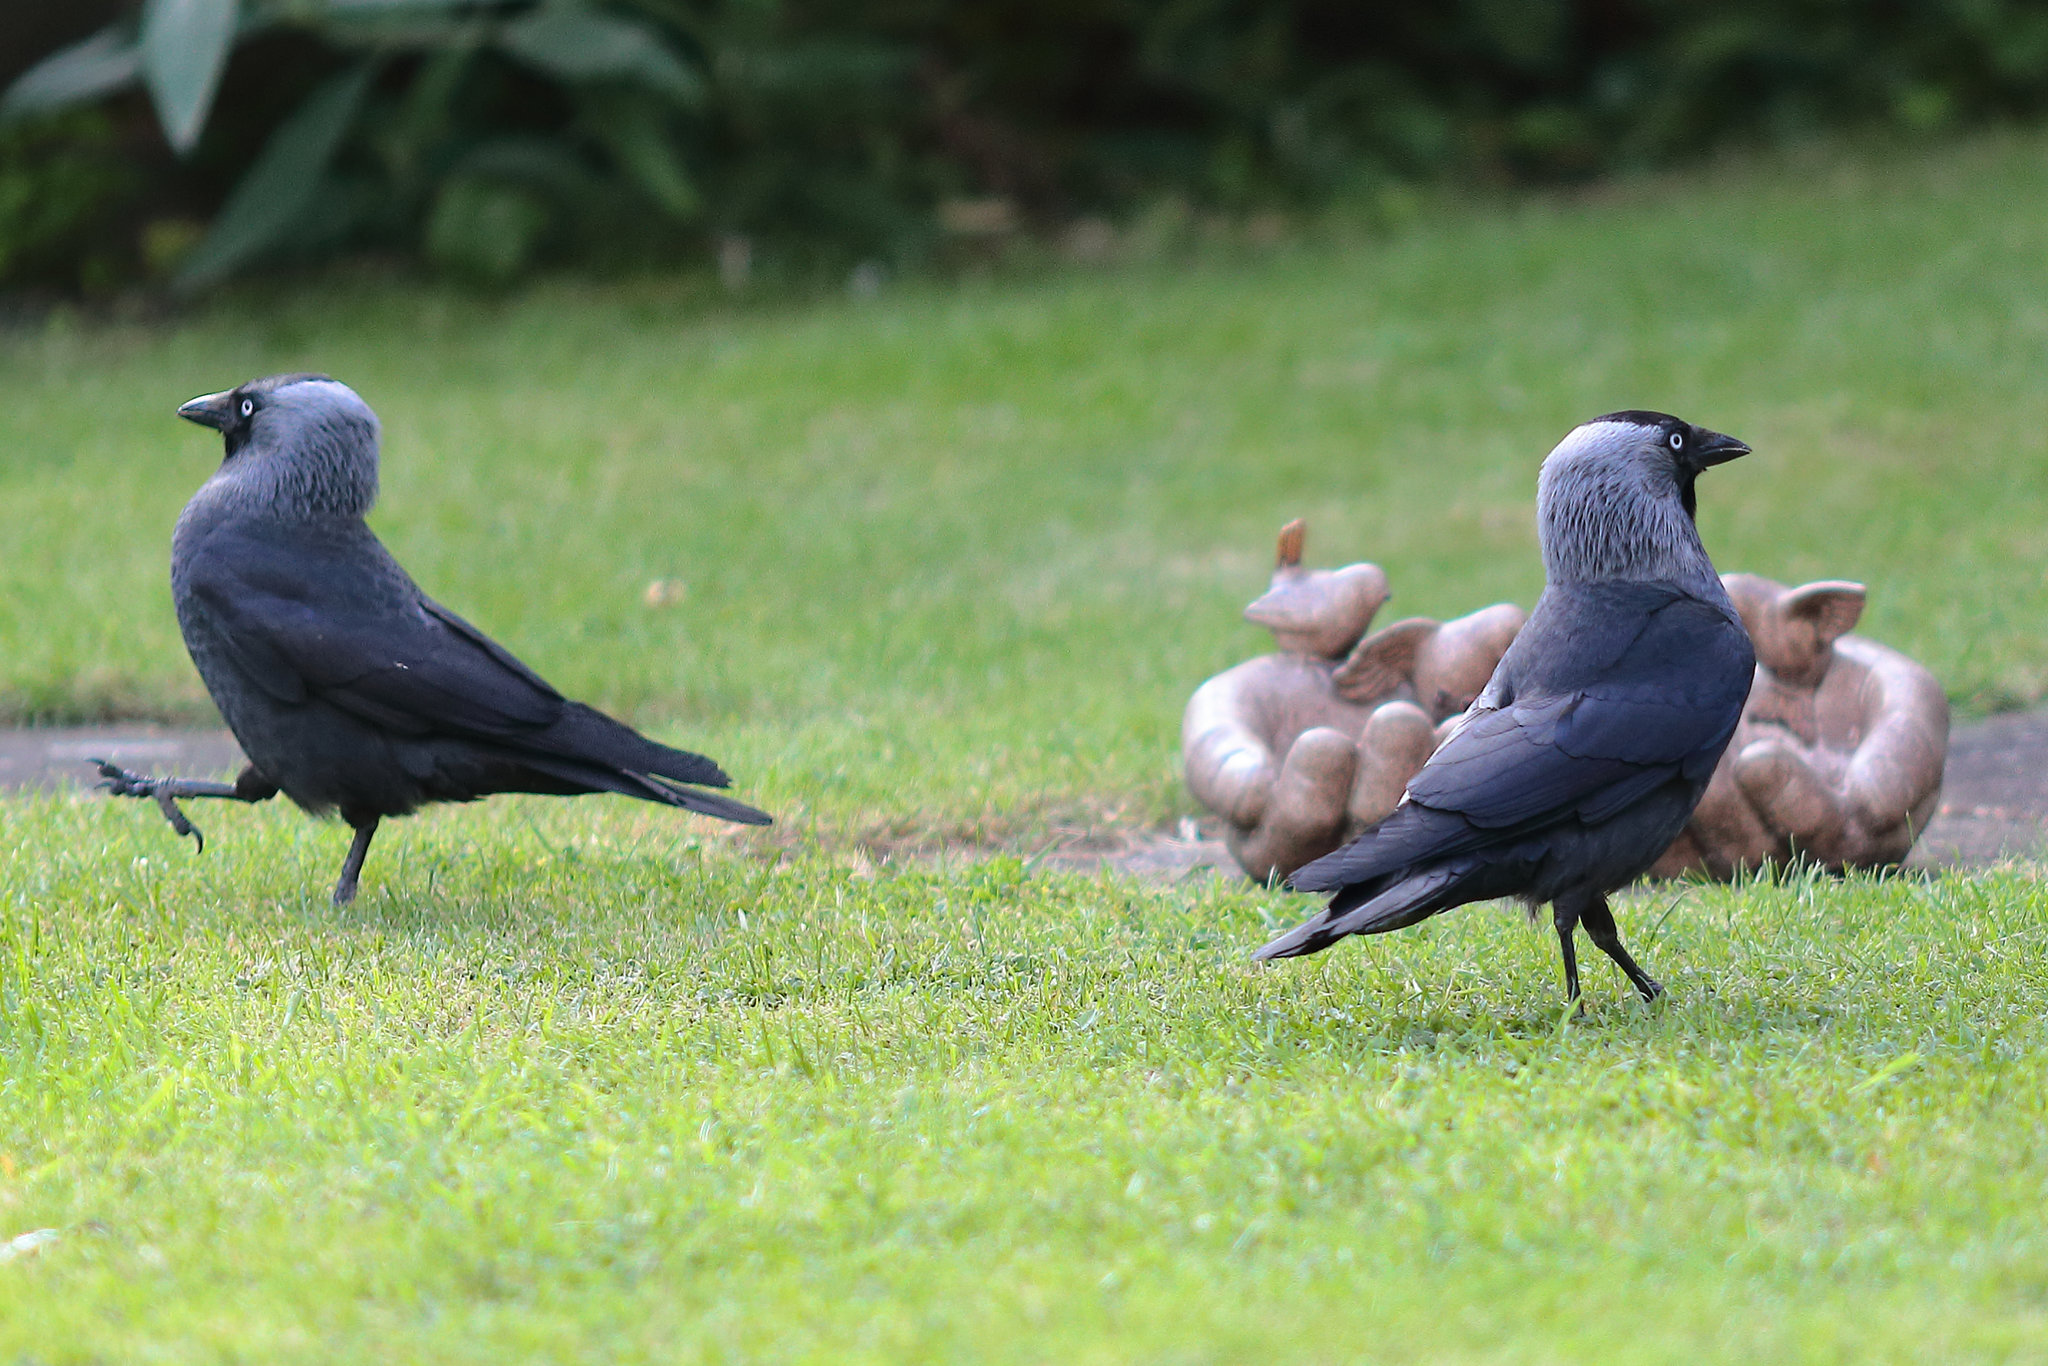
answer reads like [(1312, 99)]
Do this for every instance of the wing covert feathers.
[(1611, 694)]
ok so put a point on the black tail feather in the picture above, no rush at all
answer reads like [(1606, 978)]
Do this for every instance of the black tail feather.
[(711, 804), (1367, 910), (586, 735), (583, 775)]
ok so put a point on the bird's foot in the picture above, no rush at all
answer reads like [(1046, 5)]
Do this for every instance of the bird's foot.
[(121, 783)]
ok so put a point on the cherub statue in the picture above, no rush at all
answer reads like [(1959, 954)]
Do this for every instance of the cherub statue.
[(1300, 750), (1837, 759), (1839, 754)]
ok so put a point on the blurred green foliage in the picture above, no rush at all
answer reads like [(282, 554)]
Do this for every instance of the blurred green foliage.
[(58, 178), (487, 136)]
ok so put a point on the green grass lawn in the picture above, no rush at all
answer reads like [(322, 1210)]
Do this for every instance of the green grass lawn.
[(955, 557), (596, 1081), (563, 1083)]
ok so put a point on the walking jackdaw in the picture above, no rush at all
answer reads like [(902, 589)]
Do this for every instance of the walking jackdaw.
[(349, 689), (1585, 755)]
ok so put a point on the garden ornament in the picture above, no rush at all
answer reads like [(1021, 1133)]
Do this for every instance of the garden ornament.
[(1300, 749), (1839, 755), (1837, 759)]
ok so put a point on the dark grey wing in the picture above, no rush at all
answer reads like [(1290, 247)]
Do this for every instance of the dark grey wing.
[(337, 619), (331, 616), (1623, 691), (1592, 728), (328, 615)]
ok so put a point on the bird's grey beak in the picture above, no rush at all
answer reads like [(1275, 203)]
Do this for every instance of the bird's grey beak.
[(1712, 448), (210, 410)]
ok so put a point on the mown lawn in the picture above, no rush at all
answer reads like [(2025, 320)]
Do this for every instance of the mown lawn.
[(563, 1084), (594, 1081), (954, 557)]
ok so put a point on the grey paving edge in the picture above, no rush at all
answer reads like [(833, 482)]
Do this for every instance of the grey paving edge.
[(62, 758), (1994, 804)]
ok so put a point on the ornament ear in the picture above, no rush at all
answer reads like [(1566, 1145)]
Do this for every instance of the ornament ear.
[(1384, 660), (1831, 607), (1454, 668)]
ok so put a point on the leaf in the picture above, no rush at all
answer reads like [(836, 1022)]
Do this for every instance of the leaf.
[(633, 131), (105, 62), (395, 32), (1905, 1062), (579, 46), (280, 184), (484, 229), (421, 25), (185, 47), (345, 9), (541, 163)]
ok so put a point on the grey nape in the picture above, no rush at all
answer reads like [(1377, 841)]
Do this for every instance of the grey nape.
[(1593, 742), (349, 689)]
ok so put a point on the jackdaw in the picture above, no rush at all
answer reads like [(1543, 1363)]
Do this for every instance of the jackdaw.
[(1586, 753), (349, 689)]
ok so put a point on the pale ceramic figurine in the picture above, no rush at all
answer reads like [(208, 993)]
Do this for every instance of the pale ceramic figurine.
[(1837, 759), (1300, 750), (1839, 754)]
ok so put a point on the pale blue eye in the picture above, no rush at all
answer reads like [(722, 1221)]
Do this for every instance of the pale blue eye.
[(1677, 441), (249, 406)]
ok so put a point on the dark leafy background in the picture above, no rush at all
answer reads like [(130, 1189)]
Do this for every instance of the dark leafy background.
[(486, 139)]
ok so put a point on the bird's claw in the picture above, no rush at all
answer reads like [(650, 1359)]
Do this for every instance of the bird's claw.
[(121, 783), (178, 821)]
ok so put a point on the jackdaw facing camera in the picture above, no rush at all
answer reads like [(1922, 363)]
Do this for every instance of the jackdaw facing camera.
[(349, 689), (1586, 753)]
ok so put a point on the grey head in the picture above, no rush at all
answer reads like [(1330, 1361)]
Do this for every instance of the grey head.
[(297, 445), (1615, 500)]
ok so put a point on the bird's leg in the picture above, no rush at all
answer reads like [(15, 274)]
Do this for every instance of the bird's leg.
[(1566, 918), (248, 786), (352, 867), (1600, 929)]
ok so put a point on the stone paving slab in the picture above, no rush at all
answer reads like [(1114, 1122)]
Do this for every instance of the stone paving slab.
[(1994, 800), (61, 757), (1994, 795)]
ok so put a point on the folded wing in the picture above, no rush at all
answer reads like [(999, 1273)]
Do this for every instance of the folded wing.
[(1613, 700), (342, 624)]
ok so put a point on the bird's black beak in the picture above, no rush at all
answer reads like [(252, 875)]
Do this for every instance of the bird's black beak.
[(210, 410), (1712, 448)]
